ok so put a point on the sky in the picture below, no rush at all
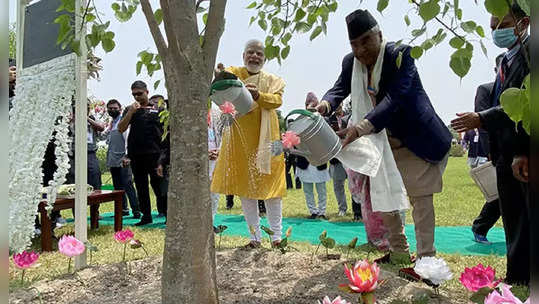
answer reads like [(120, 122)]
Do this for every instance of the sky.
[(312, 65)]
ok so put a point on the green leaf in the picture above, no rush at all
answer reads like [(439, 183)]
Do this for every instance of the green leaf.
[(429, 10), (513, 101), (275, 30), (285, 52), (460, 62), (399, 60), (139, 67), (322, 235), (459, 14), (446, 9), (456, 42), (201, 9), (303, 27), (108, 45), (269, 41), (469, 47), (90, 17), (316, 32), (156, 84), (407, 20), (468, 26), (146, 57), (300, 14), (158, 16), (108, 35), (267, 230), (263, 24), (419, 32), (311, 18), (304, 3), (330, 243), (498, 8), (427, 44), (284, 243), (416, 52), (75, 47), (382, 5), (525, 6), (286, 38), (479, 30), (252, 5), (333, 6), (353, 242), (205, 18), (253, 18)]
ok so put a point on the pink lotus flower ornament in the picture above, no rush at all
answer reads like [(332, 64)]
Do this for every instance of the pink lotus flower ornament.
[(70, 247), (228, 108), (479, 277), (290, 139), (124, 236), (337, 300), (25, 259), (505, 297), (363, 279)]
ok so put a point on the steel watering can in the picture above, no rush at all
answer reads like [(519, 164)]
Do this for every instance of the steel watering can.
[(319, 143), (233, 91)]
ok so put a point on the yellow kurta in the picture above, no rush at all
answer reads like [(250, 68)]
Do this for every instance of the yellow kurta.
[(236, 171)]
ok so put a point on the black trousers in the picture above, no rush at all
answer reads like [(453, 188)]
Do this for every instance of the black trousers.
[(356, 207), (486, 219), (516, 224), (122, 179), (144, 166)]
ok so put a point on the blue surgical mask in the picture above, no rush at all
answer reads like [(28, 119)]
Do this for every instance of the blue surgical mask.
[(504, 38)]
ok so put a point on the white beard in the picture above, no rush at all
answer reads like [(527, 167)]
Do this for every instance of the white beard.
[(253, 69)]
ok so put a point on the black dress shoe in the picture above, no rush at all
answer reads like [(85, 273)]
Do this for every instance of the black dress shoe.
[(125, 212), (144, 221), (136, 215), (313, 216)]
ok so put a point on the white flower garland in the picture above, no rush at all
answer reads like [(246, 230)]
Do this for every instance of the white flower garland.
[(43, 93)]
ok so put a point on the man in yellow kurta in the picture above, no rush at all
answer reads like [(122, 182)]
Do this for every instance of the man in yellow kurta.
[(246, 166)]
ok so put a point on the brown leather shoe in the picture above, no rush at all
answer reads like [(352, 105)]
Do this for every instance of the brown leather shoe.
[(251, 245), (409, 274), (386, 259)]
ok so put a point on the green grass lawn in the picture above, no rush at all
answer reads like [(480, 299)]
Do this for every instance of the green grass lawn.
[(458, 204)]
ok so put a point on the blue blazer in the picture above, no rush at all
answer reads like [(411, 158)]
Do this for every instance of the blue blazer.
[(402, 106)]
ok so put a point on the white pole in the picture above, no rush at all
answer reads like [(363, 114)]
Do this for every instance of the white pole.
[(81, 121), (21, 8)]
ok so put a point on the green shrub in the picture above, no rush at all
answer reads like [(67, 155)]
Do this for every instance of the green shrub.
[(457, 151), (102, 157)]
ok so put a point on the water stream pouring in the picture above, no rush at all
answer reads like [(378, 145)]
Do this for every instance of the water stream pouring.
[(234, 91), (319, 143)]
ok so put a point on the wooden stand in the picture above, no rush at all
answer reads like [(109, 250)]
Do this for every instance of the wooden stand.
[(94, 200)]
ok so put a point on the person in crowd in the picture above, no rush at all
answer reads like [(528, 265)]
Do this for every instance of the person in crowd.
[(506, 144), (313, 176), (215, 132), (291, 164), (418, 138), (229, 202), (490, 213), (144, 148), (253, 173), (337, 171), (117, 161), (12, 80)]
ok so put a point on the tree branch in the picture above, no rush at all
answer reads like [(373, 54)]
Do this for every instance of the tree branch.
[(214, 30), (443, 23), (154, 28), (169, 27)]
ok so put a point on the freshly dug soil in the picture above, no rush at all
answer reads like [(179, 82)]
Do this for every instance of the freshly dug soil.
[(254, 277)]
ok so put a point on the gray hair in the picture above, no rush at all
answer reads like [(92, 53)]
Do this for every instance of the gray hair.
[(376, 29), (254, 42)]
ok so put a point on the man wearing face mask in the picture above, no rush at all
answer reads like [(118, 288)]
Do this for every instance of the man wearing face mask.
[(506, 144), (117, 161), (144, 148), (389, 99), (245, 166)]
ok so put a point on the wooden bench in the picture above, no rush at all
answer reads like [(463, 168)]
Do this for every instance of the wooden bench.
[(94, 200)]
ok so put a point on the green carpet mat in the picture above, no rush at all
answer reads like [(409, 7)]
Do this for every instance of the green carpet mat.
[(453, 240)]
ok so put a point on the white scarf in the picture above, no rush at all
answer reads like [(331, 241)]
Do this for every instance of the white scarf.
[(371, 154)]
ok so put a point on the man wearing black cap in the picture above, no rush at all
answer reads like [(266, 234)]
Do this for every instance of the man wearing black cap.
[(418, 138)]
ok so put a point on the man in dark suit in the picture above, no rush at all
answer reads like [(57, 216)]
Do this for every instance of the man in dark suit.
[(419, 139), (512, 33), (490, 213)]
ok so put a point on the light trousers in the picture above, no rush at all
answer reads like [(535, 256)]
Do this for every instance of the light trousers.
[(273, 213)]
